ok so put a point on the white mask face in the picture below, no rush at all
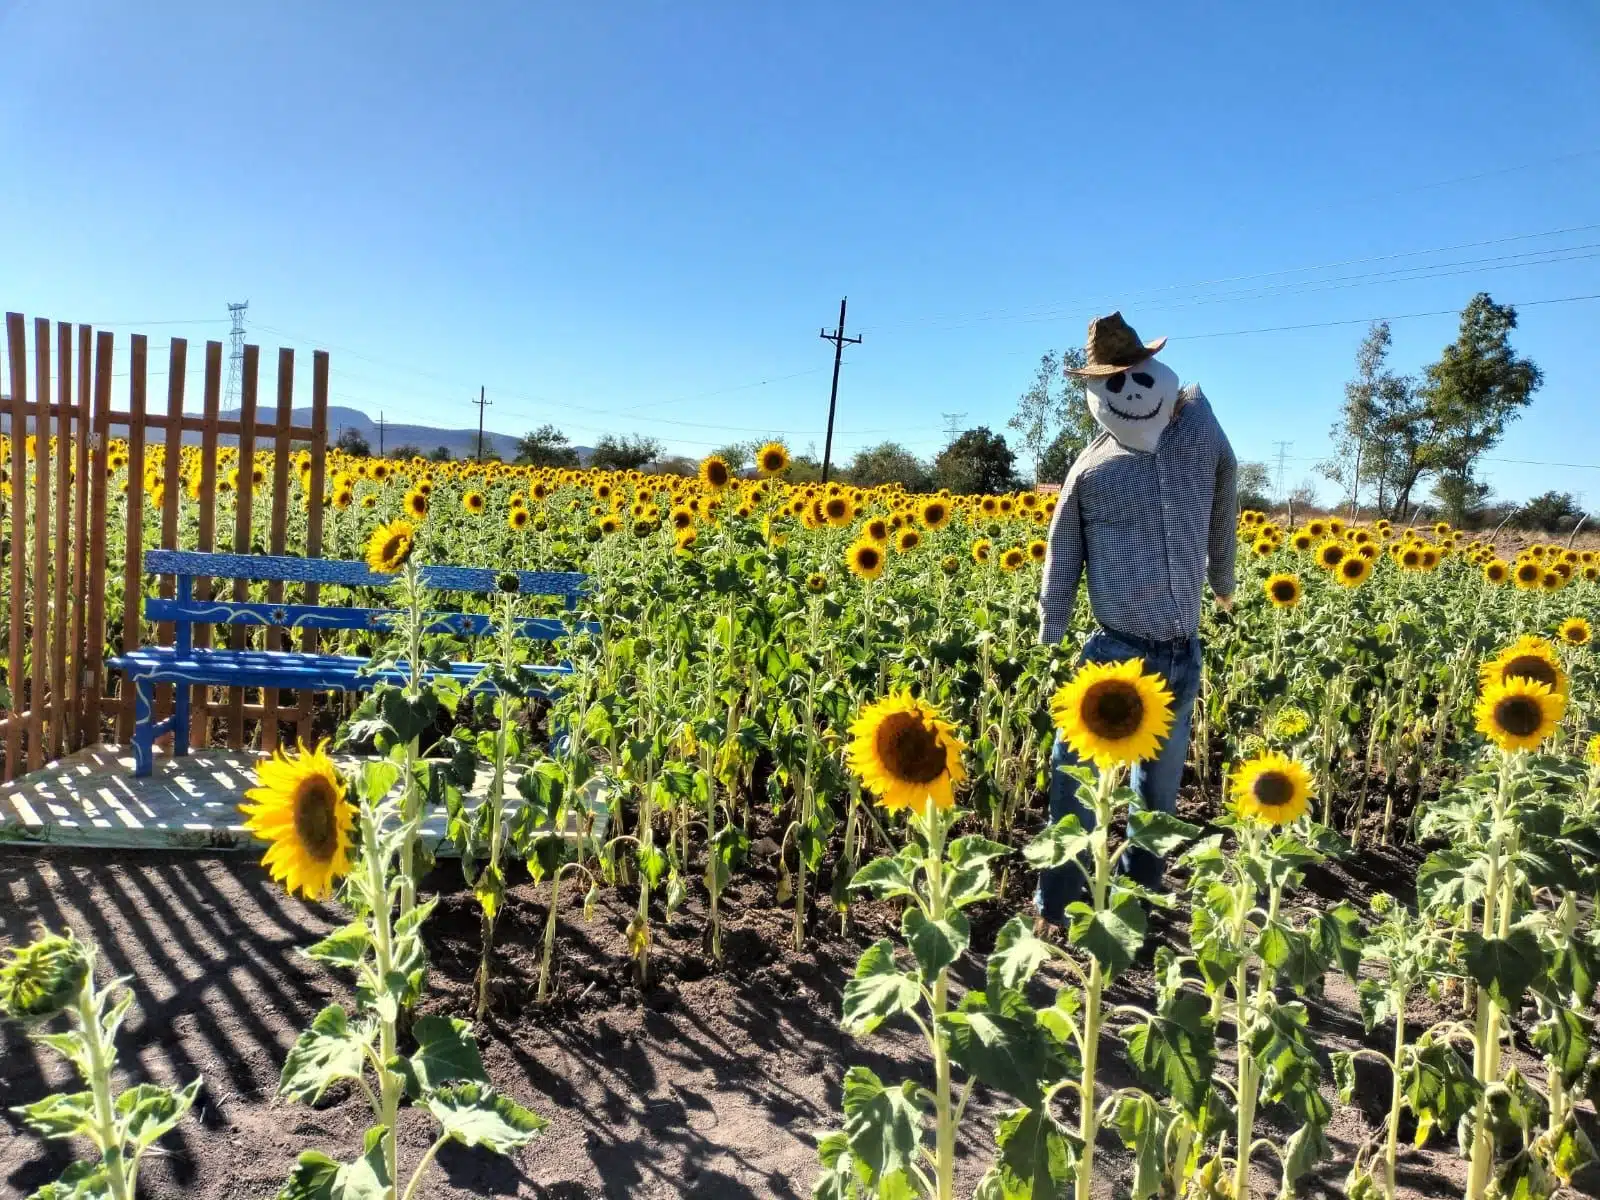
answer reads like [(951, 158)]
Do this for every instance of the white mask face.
[(1135, 405)]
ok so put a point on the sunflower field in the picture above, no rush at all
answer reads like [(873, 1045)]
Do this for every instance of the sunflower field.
[(838, 694)]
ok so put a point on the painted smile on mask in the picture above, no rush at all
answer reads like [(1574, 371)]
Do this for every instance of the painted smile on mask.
[(1115, 385)]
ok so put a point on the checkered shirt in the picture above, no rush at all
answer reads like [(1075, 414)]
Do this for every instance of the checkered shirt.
[(1150, 529)]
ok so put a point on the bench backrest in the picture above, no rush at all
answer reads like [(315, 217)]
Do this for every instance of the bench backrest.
[(183, 610)]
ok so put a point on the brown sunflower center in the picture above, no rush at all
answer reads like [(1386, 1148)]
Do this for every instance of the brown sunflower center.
[(1353, 567), (1519, 716), (1113, 709), (909, 749), (1331, 555), (772, 460), (314, 824), (1530, 666), (395, 548), (1527, 572), (716, 474), (867, 558), (1272, 789), (1283, 591), (835, 509), (1576, 634)]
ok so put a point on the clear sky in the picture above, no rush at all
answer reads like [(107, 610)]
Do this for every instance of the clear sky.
[(635, 216)]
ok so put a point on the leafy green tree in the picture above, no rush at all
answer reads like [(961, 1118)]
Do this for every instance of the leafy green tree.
[(738, 455), (976, 463), (351, 442), (1255, 486), (627, 453), (1477, 388), (439, 454), (889, 462), (406, 451), (1052, 420), (546, 446), (1550, 511), (1376, 437)]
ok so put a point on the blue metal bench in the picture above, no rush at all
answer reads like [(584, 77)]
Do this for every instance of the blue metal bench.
[(183, 663)]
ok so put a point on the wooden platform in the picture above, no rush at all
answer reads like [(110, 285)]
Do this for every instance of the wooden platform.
[(91, 798)]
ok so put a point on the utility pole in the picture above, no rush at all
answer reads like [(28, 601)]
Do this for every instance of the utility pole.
[(839, 341), (482, 404), (953, 424), (380, 433), (1283, 455)]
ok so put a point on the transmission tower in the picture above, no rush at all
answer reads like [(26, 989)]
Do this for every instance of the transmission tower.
[(1283, 457), (236, 355), (953, 424)]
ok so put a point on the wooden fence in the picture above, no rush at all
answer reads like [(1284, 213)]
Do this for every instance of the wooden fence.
[(55, 558)]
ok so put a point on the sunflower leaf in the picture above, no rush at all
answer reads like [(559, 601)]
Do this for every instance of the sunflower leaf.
[(331, 1050), (974, 851), (880, 990), (1113, 935), (1158, 832), (446, 1052), (1017, 954), (886, 878), (1175, 1051), (1504, 967), (344, 947), (883, 1125), (62, 1115), (937, 944), (474, 1114), (147, 1111), (1061, 843)]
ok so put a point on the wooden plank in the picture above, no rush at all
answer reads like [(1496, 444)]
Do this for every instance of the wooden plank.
[(172, 479), (244, 501), (60, 701), (99, 489), (318, 483), (82, 652), (201, 705), (17, 350), (133, 546), (278, 537), (39, 703)]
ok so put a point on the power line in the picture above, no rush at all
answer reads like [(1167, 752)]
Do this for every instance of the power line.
[(839, 341), (1439, 312)]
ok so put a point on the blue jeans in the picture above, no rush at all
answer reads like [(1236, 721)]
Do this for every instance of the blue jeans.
[(1156, 781)]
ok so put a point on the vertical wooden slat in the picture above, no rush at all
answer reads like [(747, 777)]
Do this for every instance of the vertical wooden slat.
[(99, 489), (280, 527), (207, 534), (244, 505), (172, 489), (39, 665), (60, 700), (82, 652), (17, 348), (133, 564), (317, 485)]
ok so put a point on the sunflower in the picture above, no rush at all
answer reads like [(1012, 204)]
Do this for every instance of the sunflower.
[(1574, 631), (816, 582), (715, 472), (1113, 713), (300, 808), (1290, 722), (1272, 788), (389, 547), (907, 539), (1552, 580), (1530, 658), (981, 550), (865, 559), (1330, 554), (950, 564), (1592, 751), (906, 753), (1037, 549), (836, 511), (935, 513), (1264, 547), (1368, 551), (877, 529), (1496, 570), (1409, 557), (772, 459), (1013, 558), (1283, 590), (416, 504), (1317, 529), (1353, 571), (1302, 541), (343, 498), (1528, 574), (473, 502), (517, 518), (1517, 713)]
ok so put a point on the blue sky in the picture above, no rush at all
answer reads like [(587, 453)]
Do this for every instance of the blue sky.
[(634, 217)]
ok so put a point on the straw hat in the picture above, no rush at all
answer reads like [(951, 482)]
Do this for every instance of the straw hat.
[(1113, 346)]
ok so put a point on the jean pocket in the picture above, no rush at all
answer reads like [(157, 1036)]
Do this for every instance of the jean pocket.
[(1105, 647)]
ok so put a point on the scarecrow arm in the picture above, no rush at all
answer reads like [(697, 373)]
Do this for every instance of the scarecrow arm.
[(1063, 565)]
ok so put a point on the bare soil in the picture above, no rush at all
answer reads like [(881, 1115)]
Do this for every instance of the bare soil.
[(713, 1082)]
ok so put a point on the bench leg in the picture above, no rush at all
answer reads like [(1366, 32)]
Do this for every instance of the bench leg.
[(180, 719), (143, 728)]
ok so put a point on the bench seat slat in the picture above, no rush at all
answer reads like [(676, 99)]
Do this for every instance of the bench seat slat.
[(277, 668), (329, 616), (350, 573)]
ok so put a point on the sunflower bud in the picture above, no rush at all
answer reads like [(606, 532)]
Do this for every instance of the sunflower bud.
[(42, 979)]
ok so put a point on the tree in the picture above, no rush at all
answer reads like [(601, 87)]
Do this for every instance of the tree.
[(351, 442), (978, 462), (1550, 512), (1052, 420), (628, 453), (1370, 433), (675, 464), (888, 462), (440, 454), (546, 446), (1304, 495), (738, 455), (406, 451), (1477, 388), (1255, 486)]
